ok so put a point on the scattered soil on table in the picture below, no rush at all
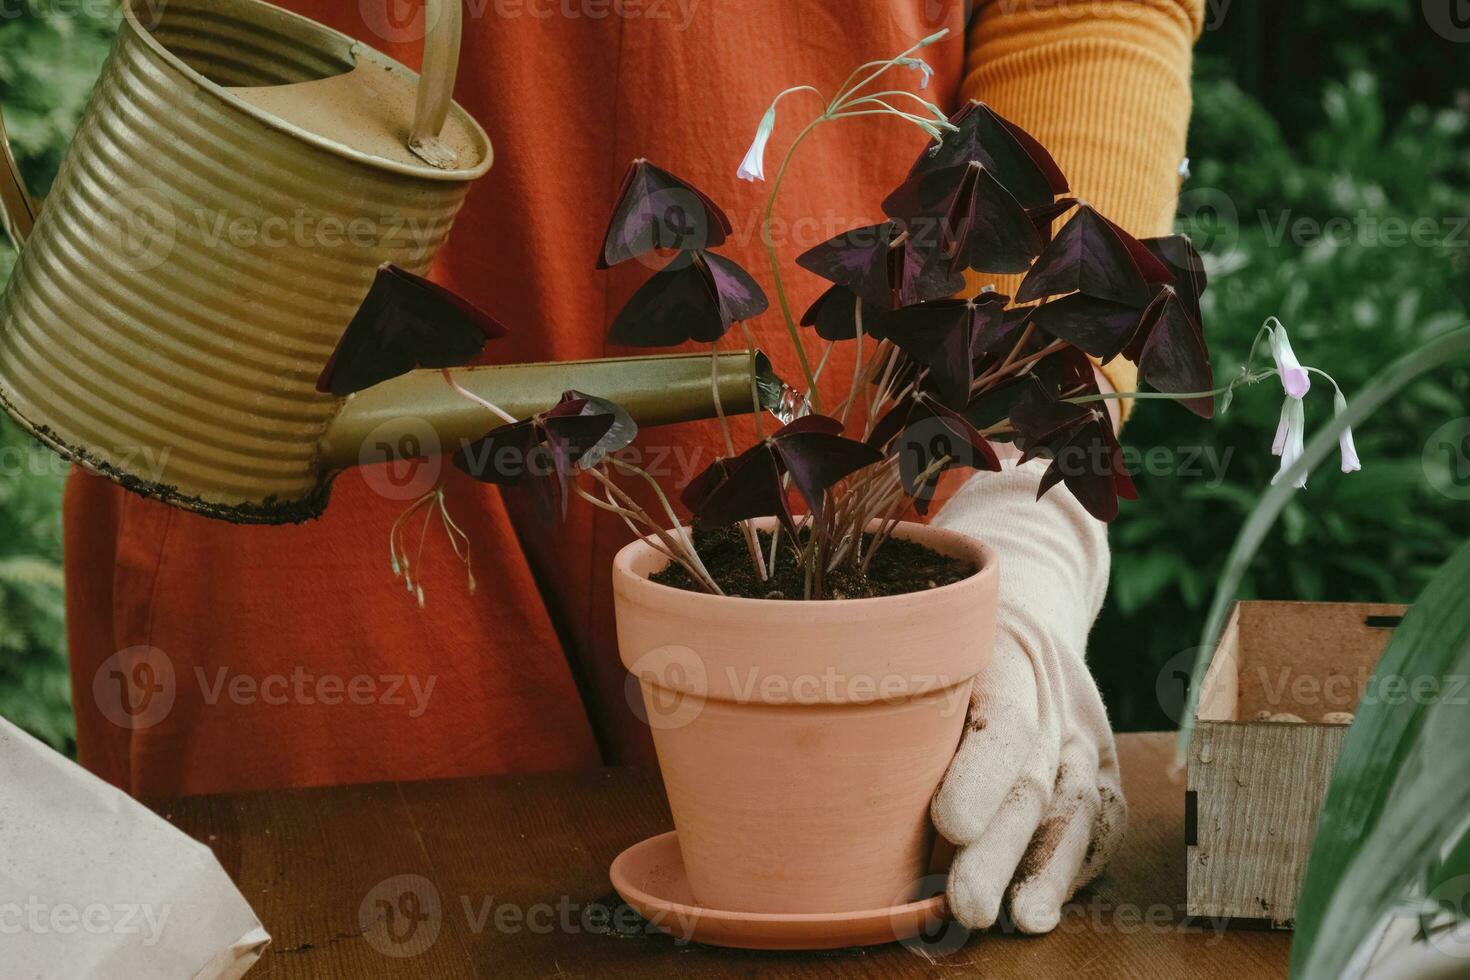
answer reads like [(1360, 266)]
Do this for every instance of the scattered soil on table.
[(900, 567)]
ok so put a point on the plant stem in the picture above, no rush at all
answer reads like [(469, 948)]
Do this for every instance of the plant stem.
[(678, 526), (806, 368), (1011, 366), (752, 543), (940, 119), (664, 548), (755, 394), (483, 403), (685, 544), (857, 364), (848, 90), (1246, 379)]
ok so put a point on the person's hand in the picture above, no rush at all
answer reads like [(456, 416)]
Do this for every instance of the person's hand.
[(1032, 798)]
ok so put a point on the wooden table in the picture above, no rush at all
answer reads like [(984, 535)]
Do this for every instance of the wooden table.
[(507, 877)]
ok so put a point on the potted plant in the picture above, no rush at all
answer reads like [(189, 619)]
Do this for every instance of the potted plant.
[(804, 649)]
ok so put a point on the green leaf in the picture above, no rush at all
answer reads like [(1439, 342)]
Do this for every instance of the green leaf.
[(1140, 578), (30, 571)]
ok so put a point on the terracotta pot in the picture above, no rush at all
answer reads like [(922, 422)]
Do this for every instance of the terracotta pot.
[(800, 742)]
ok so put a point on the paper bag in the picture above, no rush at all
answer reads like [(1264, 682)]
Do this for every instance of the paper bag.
[(95, 885)]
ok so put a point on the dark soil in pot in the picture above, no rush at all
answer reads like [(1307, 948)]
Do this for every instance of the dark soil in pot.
[(900, 567)]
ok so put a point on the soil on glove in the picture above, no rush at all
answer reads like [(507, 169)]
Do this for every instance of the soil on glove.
[(900, 567)]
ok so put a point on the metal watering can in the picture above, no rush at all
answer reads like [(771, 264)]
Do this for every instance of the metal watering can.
[(238, 176)]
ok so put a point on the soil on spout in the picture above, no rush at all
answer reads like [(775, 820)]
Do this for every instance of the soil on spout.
[(899, 567)]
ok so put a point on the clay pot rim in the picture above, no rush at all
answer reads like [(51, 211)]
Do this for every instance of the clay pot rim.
[(636, 585)]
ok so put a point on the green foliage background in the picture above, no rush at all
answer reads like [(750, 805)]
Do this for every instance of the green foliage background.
[(1317, 110), (49, 57), (1351, 113)]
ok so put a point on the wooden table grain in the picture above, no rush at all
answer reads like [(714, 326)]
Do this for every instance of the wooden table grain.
[(507, 877)]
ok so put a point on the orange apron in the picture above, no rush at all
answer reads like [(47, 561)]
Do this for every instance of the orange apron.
[(257, 629)]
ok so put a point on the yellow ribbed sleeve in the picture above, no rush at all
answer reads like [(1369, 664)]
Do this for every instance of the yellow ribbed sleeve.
[(1104, 85)]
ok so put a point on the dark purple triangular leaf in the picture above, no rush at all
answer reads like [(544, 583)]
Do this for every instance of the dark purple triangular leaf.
[(818, 460), (679, 303), (1018, 161), (502, 456), (808, 423), (1149, 265), (858, 260), (569, 438), (996, 327), (892, 423), (1040, 156), (991, 231), (938, 335), (1172, 356), (1100, 327), (1091, 465), (622, 432), (834, 315), (1088, 255), (1046, 215), (1178, 254), (699, 488), (922, 274), (1080, 441), (1041, 422), (993, 405), (934, 440), (655, 209), (405, 322), (922, 203), (741, 297), (748, 486)]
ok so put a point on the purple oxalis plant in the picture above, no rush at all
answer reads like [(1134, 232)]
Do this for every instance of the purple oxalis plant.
[(939, 376)]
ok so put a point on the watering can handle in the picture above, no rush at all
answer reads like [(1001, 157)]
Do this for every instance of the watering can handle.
[(17, 207), (443, 24)]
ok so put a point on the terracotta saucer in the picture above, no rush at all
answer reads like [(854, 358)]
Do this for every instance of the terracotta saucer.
[(650, 877)]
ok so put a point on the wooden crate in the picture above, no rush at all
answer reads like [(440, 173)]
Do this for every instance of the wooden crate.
[(1255, 786)]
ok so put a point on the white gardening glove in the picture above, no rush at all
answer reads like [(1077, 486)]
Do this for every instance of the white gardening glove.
[(1032, 798)]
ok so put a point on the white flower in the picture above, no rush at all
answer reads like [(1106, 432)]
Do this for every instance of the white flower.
[(753, 167), (1349, 452), (1290, 439), (1293, 376), (919, 65), (1283, 429)]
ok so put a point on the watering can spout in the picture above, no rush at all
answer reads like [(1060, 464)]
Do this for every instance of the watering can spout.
[(654, 390)]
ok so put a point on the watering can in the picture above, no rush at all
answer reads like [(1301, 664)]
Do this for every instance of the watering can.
[(238, 176)]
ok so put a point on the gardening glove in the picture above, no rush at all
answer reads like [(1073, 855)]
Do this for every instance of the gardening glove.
[(1032, 798)]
